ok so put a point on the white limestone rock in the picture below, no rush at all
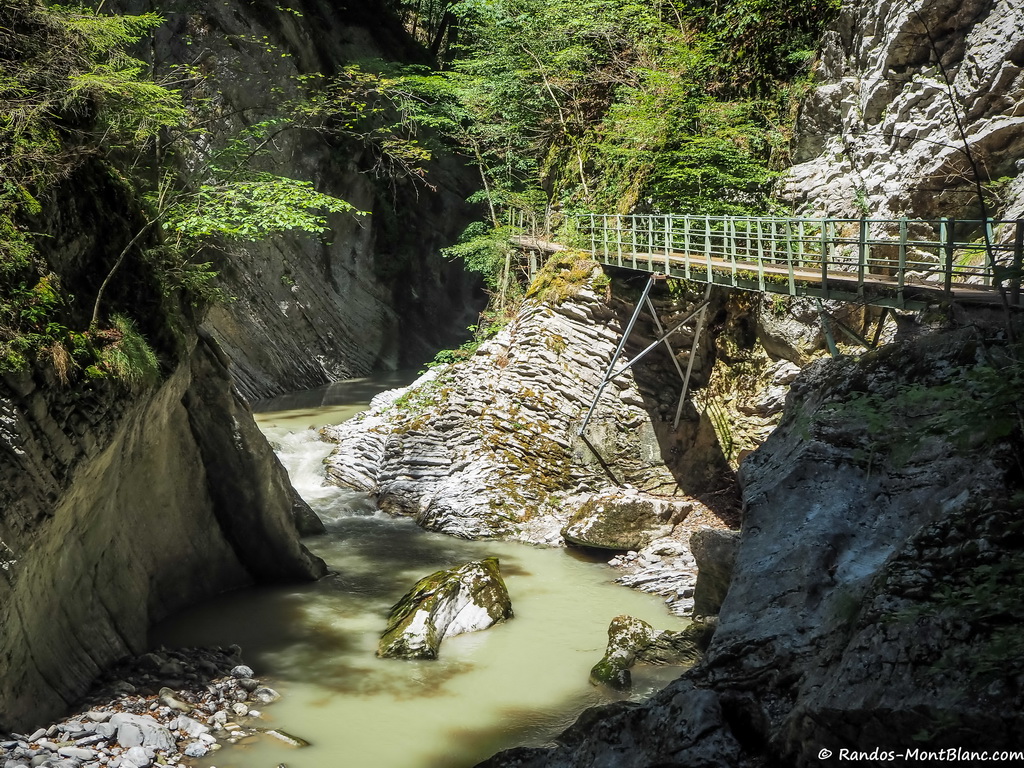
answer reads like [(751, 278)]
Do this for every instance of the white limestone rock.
[(469, 598), (490, 447), (879, 133)]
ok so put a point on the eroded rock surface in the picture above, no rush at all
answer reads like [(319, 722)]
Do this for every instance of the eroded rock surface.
[(880, 135), (858, 612), (490, 447), (452, 602)]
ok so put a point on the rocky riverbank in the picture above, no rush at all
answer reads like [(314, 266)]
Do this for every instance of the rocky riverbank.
[(878, 581), (162, 708)]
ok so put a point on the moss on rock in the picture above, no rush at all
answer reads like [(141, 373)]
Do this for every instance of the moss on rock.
[(445, 603)]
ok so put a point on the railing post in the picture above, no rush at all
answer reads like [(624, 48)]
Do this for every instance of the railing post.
[(862, 256), (618, 238), (990, 253), (760, 257), (800, 235), (686, 246), (1018, 262), (946, 229), (731, 227), (707, 247), (668, 243), (824, 257), (902, 269), (789, 257), (632, 238), (650, 242), (604, 236)]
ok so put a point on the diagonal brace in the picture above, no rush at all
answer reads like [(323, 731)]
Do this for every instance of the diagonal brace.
[(693, 355), (700, 308), (608, 376)]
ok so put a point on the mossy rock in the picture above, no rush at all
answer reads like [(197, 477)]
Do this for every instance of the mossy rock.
[(446, 603), (632, 641), (626, 635)]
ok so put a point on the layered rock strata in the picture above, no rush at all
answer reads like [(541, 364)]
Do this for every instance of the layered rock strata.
[(491, 447)]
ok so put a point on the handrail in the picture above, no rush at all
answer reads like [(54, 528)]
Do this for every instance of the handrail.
[(887, 262)]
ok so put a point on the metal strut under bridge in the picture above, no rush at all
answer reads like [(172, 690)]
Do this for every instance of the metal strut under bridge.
[(890, 263)]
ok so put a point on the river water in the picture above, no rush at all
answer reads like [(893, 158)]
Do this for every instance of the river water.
[(520, 682)]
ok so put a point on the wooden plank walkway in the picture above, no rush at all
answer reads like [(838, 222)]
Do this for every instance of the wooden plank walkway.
[(823, 258)]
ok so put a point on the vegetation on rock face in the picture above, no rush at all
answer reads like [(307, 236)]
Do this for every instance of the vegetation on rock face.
[(612, 105), (81, 112)]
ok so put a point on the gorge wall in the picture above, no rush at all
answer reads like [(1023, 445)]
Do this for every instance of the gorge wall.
[(879, 134), (875, 518), (878, 583), (374, 292), (119, 510), (122, 503)]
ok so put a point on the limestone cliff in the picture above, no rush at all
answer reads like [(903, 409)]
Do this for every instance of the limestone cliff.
[(491, 446), (372, 294), (880, 136), (878, 580)]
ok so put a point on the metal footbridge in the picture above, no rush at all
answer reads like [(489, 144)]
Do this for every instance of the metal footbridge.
[(888, 263), (898, 263)]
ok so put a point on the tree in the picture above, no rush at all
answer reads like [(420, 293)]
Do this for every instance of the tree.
[(72, 91)]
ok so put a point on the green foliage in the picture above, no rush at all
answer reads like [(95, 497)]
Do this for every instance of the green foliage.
[(384, 111), (253, 209), (72, 89), (614, 105), (128, 357), (484, 250)]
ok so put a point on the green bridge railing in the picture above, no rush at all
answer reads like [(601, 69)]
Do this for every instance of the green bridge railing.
[(886, 262)]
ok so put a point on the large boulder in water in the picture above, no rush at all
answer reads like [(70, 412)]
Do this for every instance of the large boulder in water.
[(451, 602)]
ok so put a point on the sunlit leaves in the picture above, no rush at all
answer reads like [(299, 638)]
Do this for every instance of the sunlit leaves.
[(253, 209)]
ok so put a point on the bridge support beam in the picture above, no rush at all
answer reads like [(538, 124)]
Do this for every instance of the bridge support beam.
[(608, 375), (693, 354), (823, 317), (700, 313)]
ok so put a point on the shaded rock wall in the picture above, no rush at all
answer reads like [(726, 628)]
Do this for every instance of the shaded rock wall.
[(115, 514), (373, 292), (880, 135), (120, 506)]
